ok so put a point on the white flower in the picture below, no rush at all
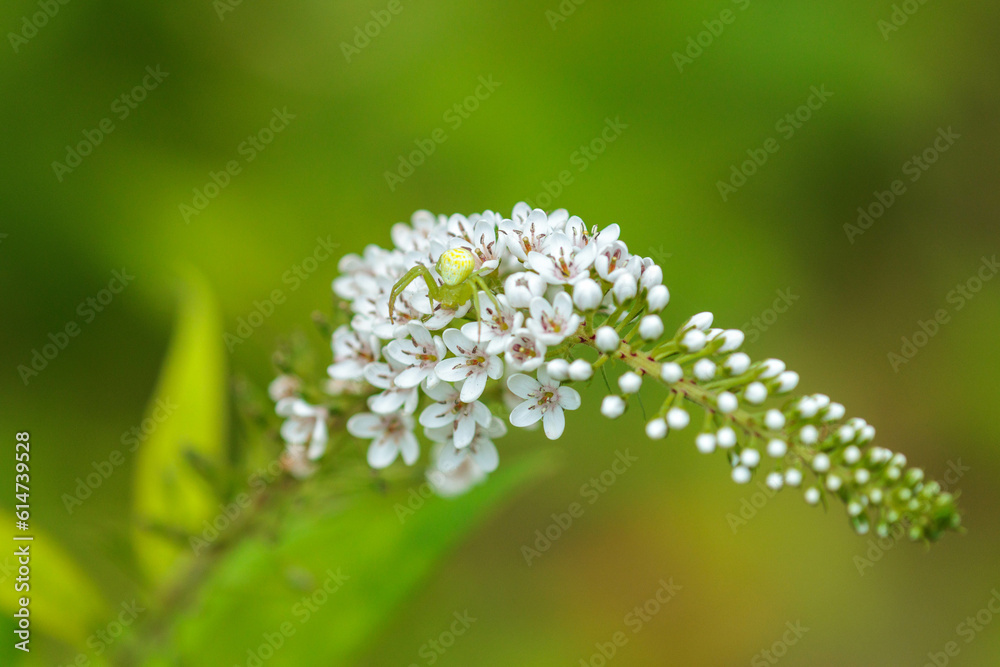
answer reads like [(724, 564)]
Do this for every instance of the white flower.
[(485, 248), (544, 399), (456, 481), (459, 416), (481, 451), (352, 351), (520, 288), (562, 263), (525, 232), (524, 352), (552, 323), (284, 386), (471, 363), (305, 424), (418, 354), (496, 326), (611, 261), (392, 435), (383, 376)]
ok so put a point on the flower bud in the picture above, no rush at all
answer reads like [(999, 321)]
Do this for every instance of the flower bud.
[(612, 406), (738, 363), (741, 474), (558, 369), (587, 294), (580, 370), (606, 339), (656, 429), (671, 372), (702, 321), (694, 340), (678, 418), (629, 382), (658, 298), (625, 287), (705, 442), (651, 327)]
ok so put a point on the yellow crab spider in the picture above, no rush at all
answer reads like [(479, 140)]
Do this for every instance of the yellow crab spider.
[(461, 283)]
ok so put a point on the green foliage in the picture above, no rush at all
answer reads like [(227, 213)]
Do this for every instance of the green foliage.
[(367, 555), (168, 491)]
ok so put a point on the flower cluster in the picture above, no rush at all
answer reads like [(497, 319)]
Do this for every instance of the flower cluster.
[(468, 318)]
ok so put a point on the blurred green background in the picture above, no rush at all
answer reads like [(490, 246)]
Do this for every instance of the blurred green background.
[(562, 73)]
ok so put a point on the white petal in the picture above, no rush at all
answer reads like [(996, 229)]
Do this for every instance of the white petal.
[(569, 398), (486, 456), (522, 385), (365, 425), (453, 369), (411, 377), (525, 414), (473, 387), (554, 422), (438, 414), (455, 339), (465, 430), (381, 453), (409, 448)]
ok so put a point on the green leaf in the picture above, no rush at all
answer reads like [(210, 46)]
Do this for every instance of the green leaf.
[(261, 590), (65, 603), (168, 491)]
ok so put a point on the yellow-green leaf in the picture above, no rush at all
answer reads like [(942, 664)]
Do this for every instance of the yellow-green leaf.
[(167, 490)]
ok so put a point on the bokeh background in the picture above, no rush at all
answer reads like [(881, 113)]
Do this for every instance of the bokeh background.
[(563, 70)]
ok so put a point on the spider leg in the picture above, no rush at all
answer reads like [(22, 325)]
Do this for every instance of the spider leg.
[(480, 284), (479, 312), (419, 271)]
